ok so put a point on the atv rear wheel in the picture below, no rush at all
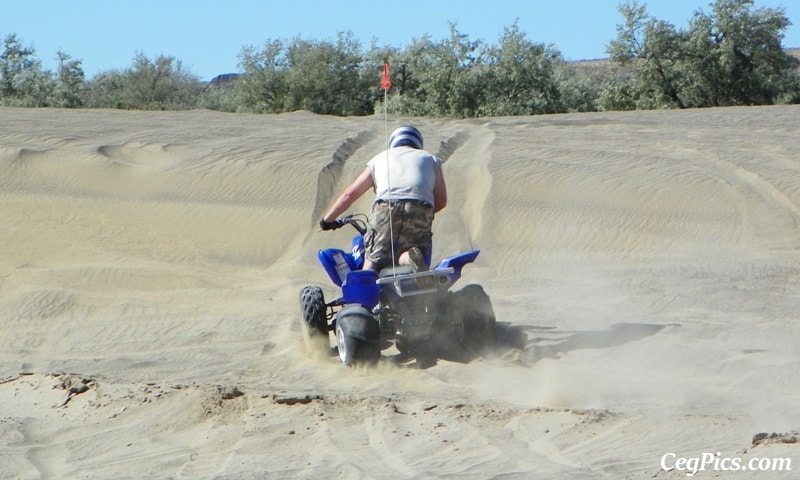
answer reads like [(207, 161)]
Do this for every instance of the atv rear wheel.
[(477, 316), (357, 336), (312, 304)]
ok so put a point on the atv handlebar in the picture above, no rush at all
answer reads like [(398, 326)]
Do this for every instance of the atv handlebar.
[(357, 220)]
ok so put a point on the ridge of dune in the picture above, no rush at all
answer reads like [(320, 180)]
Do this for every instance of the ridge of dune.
[(644, 268)]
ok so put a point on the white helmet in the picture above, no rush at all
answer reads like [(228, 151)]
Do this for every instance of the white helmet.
[(406, 136)]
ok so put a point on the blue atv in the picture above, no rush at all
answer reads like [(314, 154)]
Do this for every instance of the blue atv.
[(414, 311)]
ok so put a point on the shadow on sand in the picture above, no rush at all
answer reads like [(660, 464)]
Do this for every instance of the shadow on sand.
[(527, 345), (533, 343)]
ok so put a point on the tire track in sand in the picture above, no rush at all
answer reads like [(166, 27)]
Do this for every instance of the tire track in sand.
[(767, 196), (330, 175), (467, 154)]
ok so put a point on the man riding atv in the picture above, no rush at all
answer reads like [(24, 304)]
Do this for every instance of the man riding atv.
[(399, 229), (411, 306)]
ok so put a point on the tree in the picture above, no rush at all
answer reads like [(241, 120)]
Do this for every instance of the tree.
[(372, 73), (70, 88), (459, 77), (732, 56), (577, 91), (325, 77), (161, 84), (441, 79), (656, 48), (107, 90), (263, 86), (523, 77), (14, 60), (741, 61), (22, 80)]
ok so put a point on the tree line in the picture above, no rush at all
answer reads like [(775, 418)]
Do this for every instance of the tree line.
[(729, 56)]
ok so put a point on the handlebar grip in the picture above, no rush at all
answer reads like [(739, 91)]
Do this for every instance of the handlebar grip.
[(323, 225), (338, 223)]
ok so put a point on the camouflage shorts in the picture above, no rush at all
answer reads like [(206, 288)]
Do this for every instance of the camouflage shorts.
[(411, 226)]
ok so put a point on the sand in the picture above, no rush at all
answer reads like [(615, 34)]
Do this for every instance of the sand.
[(644, 268)]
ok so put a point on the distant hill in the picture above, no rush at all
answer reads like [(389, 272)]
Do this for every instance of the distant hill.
[(223, 79), (598, 69)]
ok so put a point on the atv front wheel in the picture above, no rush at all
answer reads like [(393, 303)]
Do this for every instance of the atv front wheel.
[(312, 303)]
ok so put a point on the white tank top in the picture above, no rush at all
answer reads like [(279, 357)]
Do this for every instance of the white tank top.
[(411, 174)]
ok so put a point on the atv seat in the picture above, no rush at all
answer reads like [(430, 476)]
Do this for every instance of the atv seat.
[(395, 271)]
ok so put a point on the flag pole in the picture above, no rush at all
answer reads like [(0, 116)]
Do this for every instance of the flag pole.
[(386, 84)]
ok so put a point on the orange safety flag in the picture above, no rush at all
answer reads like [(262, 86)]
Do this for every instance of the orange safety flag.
[(386, 83)]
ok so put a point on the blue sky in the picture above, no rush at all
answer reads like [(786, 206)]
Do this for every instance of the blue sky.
[(207, 36)]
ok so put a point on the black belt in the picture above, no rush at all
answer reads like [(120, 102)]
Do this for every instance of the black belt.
[(419, 203)]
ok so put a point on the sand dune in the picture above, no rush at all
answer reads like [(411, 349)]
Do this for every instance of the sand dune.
[(644, 268)]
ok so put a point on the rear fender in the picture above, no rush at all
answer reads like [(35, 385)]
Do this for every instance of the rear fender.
[(457, 262)]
